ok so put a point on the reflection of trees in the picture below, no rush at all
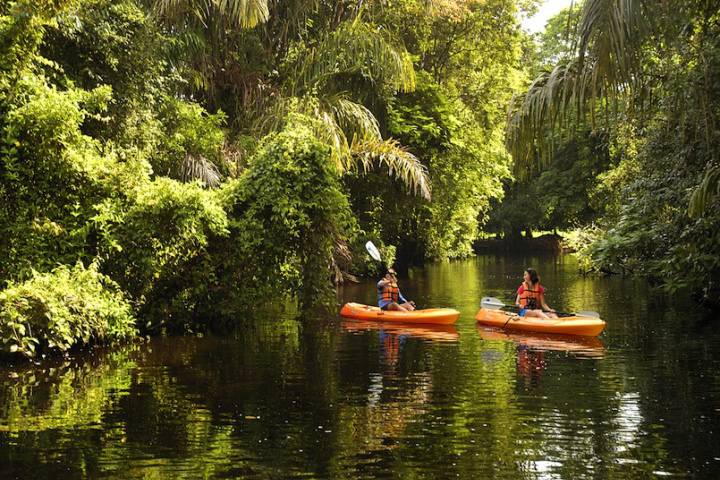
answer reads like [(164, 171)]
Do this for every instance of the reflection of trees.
[(64, 395), (377, 426)]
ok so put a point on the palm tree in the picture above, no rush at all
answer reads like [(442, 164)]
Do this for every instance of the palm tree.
[(312, 83), (205, 33), (313, 87), (607, 67), (215, 14)]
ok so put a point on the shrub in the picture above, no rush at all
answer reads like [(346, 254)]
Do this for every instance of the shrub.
[(286, 212), (154, 243), (52, 175), (61, 309)]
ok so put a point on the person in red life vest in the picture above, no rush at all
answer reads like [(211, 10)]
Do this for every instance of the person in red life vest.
[(531, 297), (389, 296)]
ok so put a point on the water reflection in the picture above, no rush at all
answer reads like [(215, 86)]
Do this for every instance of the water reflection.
[(577, 346), (437, 333)]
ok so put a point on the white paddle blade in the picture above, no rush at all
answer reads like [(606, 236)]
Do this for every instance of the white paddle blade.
[(491, 303), (373, 251), (587, 313)]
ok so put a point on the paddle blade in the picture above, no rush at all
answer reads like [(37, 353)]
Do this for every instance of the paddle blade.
[(373, 251), (491, 303), (587, 313)]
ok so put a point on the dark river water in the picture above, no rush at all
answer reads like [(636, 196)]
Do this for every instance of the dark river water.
[(285, 397)]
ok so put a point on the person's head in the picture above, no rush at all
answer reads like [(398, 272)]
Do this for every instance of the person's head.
[(531, 276), (391, 274)]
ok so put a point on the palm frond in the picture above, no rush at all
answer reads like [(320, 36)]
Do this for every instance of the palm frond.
[(245, 13), (353, 118), (200, 168), (607, 65), (352, 132), (708, 189), (336, 120), (532, 117), (610, 33), (242, 13), (401, 164), (355, 47)]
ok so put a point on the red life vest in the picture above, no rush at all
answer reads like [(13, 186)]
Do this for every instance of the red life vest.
[(391, 293), (530, 299)]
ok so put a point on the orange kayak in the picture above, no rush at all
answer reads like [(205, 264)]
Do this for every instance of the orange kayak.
[(439, 316), (576, 325)]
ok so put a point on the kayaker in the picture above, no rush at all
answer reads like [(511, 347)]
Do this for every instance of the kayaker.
[(389, 296), (531, 297)]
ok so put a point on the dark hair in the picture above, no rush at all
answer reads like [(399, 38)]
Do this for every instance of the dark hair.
[(534, 277)]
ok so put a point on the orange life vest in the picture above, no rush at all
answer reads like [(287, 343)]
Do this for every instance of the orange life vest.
[(530, 298), (390, 293)]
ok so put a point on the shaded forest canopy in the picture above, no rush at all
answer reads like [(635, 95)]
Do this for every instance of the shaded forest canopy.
[(191, 159)]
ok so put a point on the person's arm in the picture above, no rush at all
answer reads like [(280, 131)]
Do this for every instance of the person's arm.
[(383, 281), (545, 306), (402, 299), (517, 299)]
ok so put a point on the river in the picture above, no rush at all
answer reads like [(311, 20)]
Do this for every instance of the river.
[(284, 397)]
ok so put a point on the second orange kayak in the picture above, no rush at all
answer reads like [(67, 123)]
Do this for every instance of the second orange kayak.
[(576, 325), (439, 316)]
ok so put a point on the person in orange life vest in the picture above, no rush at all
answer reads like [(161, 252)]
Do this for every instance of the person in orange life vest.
[(389, 296), (531, 297)]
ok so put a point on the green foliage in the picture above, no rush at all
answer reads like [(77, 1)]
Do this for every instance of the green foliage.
[(61, 309), (466, 163), (155, 243), (562, 195), (107, 42), (557, 41), (286, 213), (22, 26), (191, 137), (51, 175), (661, 117), (647, 229), (353, 47)]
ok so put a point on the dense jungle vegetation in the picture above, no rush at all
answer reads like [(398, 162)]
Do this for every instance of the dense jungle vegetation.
[(167, 164), (618, 136)]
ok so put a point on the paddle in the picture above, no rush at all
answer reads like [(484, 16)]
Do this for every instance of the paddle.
[(492, 303), (373, 251)]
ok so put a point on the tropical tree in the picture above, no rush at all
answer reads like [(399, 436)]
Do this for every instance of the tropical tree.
[(661, 115), (227, 61)]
